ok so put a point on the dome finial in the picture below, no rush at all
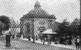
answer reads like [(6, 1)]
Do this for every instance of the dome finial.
[(37, 4)]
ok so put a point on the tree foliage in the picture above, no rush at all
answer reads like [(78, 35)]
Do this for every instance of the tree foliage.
[(74, 27), (63, 28), (4, 23), (1, 25)]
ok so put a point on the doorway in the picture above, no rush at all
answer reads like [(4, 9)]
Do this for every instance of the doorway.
[(28, 31)]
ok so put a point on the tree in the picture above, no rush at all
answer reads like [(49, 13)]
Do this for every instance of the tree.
[(75, 26), (64, 32), (13, 23), (63, 28), (5, 23)]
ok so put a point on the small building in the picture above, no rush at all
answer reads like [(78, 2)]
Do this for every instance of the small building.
[(35, 21)]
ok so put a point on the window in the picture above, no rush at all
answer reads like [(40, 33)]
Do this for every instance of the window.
[(42, 22)]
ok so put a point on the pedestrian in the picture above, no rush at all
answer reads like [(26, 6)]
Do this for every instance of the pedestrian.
[(77, 42), (8, 37)]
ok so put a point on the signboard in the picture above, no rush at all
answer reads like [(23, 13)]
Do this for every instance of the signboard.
[(41, 29)]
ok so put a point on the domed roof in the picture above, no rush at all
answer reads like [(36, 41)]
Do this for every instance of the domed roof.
[(38, 12)]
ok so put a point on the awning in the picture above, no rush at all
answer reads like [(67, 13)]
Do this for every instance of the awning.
[(48, 31)]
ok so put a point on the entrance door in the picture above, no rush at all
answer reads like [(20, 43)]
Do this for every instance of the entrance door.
[(28, 29)]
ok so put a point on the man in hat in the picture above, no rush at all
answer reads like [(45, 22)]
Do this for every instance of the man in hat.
[(8, 37)]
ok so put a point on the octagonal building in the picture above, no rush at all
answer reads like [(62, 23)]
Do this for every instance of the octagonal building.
[(36, 21)]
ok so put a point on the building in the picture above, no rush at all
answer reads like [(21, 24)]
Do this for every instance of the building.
[(37, 20)]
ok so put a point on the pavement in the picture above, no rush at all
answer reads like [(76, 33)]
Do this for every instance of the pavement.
[(53, 44), (19, 44)]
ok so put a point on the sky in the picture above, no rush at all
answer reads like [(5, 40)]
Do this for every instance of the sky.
[(62, 9)]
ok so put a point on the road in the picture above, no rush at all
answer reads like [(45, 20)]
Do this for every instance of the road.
[(27, 45)]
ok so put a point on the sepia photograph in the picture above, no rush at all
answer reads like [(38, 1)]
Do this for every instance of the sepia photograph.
[(40, 25)]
